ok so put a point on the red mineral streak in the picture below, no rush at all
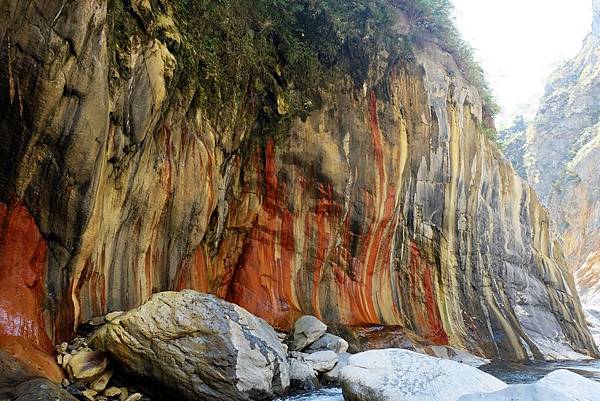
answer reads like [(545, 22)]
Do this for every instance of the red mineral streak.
[(37, 362), (378, 242), (278, 281), (262, 282), (22, 272), (376, 135), (428, 321), (193, 274)]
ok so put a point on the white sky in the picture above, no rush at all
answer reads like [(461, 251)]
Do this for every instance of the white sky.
[(520, 42)]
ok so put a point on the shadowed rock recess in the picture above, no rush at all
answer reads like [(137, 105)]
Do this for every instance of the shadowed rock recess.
[(336, 168)]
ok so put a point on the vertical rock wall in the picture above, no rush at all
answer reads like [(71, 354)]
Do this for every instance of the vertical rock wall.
[(387, 205)]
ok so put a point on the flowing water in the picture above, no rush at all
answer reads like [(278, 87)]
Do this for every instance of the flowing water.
[(327, 394), (516, 373), (507, 372)]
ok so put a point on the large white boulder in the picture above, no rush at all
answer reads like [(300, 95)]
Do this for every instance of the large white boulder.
[(576, 386), (560, 385), (397, 374), (199, 347), (520, 392)]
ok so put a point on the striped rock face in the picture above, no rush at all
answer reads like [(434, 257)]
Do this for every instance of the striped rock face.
[(387, 205)]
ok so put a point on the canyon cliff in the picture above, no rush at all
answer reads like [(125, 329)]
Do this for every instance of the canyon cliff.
[(368, 194), (559, 152)]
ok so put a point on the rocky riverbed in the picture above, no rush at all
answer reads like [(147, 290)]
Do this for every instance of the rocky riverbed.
[(510, 373), (193, 346)]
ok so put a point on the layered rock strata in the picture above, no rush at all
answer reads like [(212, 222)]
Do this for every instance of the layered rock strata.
[(384, 205)]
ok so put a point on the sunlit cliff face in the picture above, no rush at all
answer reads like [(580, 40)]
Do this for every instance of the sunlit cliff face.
[(387, 204)]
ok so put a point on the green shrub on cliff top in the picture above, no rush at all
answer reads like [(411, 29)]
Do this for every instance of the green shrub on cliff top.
[(277, 55), (435, 17)]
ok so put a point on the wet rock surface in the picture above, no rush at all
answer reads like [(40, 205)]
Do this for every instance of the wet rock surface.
[(18, 383)]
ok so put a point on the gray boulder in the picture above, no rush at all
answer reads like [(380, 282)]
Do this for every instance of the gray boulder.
[(307, 330), (302, 376), (332, 376), (199, 346), (321, 361), (328, 342)]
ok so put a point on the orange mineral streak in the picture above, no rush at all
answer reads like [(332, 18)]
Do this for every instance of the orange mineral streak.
[(22, 273), (23, 266), (194, 274), (281, 276), (428, 320), (39, 363), (379, 239), (262, 283)]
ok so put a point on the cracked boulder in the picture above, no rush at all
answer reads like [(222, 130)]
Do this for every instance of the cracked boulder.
[(199, 346)]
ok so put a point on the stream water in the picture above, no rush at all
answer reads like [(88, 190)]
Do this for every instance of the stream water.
[(507, 372)]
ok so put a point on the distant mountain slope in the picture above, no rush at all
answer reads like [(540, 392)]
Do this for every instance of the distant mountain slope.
[(559, 153)]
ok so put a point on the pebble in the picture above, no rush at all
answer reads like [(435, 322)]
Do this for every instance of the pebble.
[(112, 391), (62, 348), (66, 359), (98, 389), (134, 397)]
